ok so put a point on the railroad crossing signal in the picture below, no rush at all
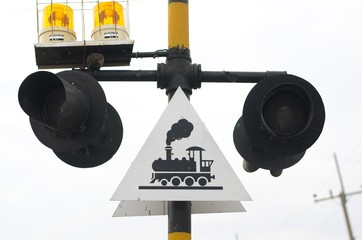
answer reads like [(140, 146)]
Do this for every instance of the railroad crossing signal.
[(69, 113), (282, 117)]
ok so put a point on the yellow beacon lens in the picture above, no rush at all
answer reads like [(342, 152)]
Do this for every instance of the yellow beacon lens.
[(108, 13), (109, 21), (58, 15), (58, 24)]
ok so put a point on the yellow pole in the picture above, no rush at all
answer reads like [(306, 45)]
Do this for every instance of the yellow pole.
[(179, 236), (179, 213), (178, 24)]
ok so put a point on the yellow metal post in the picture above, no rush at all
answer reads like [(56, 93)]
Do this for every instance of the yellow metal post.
[(179, 221), (178, 24), (179, 213)]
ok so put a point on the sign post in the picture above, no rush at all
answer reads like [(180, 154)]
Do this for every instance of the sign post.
[(179, 213)]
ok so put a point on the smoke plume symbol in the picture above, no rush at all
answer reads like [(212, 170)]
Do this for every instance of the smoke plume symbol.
[(179, 130)]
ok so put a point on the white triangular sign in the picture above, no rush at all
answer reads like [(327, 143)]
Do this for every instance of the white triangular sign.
[(180, 161)]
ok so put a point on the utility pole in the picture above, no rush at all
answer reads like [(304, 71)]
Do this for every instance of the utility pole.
[(343, 197)]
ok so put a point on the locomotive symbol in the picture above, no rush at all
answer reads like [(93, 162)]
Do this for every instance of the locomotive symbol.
[(176, 171), (191, 172)]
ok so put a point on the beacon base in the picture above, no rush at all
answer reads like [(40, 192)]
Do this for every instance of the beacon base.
[(75, 54)]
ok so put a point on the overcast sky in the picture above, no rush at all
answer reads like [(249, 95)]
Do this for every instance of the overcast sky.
[(320, 41)]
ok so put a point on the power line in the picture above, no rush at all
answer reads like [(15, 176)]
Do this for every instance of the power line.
[(326, 220), (291, 222), (342, 196)]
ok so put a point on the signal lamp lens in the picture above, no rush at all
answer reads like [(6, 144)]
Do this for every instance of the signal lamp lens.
[(54, 107), (108, 13), (285, 114), (58, 15)]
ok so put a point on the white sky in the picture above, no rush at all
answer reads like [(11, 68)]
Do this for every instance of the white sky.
[(320, 41)]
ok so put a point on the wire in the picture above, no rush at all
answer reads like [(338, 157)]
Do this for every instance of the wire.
[(351, 168), (328, 181), (329, 218), (293, 222)]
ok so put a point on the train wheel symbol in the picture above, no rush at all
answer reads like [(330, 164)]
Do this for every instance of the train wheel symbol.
[(176, 181), (202, 181), (164, 182), (189, 181)]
